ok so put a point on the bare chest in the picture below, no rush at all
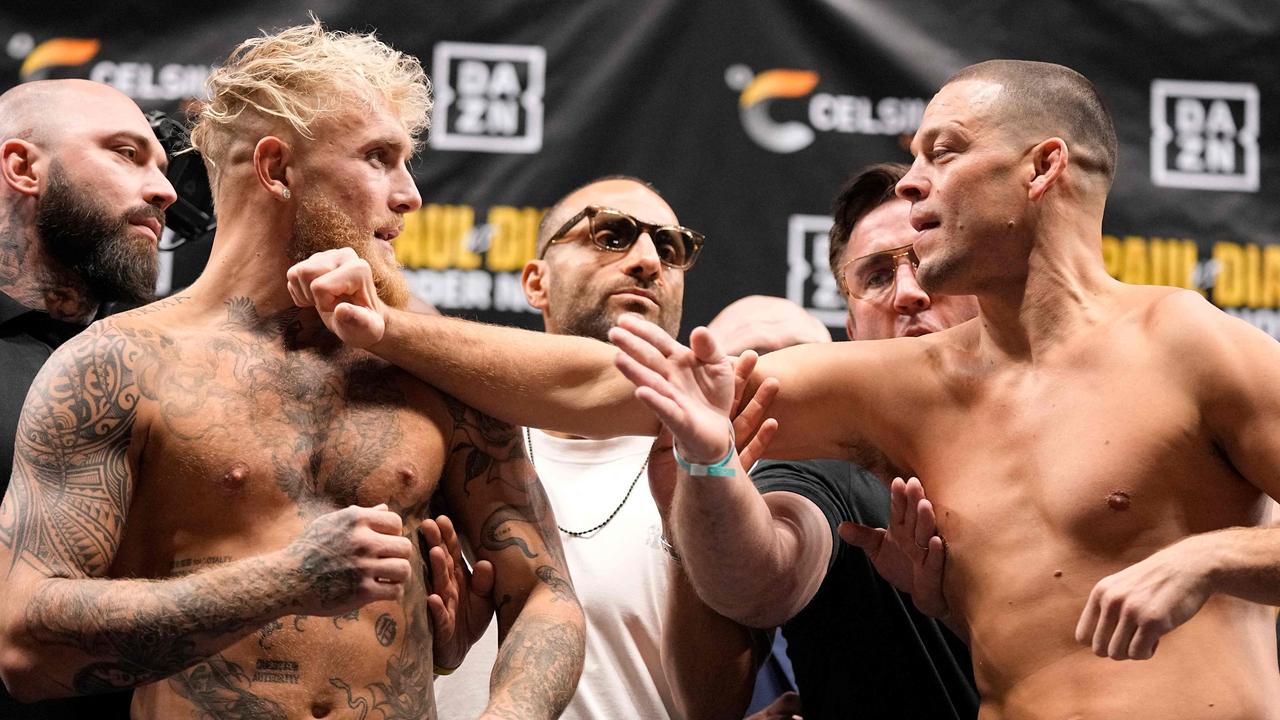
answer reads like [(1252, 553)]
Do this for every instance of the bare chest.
[(233, 423)]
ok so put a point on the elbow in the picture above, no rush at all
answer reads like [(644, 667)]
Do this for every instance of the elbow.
[(20, 672)]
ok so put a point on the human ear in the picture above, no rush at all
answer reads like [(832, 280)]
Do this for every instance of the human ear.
[(17, 163), (1049, 162), (271, 164), (534, 282)]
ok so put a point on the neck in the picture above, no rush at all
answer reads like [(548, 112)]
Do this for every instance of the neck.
[(33, 278), (1064, 291), (249, 258)]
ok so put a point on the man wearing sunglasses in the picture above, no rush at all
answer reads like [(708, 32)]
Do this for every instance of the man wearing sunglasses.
[(610, 247)]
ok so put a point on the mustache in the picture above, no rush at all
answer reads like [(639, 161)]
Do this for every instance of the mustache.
[(144, 212)]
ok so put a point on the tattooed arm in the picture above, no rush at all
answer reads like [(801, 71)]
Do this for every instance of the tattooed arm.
[(65, 628), (494, 492)]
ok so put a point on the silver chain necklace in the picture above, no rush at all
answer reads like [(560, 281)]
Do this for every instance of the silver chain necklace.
[(528, 441)]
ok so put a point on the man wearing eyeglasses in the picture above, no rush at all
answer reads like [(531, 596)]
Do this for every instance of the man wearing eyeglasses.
[(858, 644), (610, 247)]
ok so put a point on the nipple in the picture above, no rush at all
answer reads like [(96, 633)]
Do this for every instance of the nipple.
[(235, 478), (1118, 500)]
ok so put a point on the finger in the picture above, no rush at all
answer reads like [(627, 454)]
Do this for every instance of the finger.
[(756, 411), (926, 526), (650, 333), (1118, 648), (391, 570), (442, 577), (1143, 645), (704, 346), (393, 546), (897, 503), (668, 412), (441, 620), (742, 369), (640, 349), (482, 577), (869, 539), (430, 532), (381, 520), (928, 583), (1089, 618), (759, 444), (641, 376), (347, 281), (294, 286), (911, 518), (1107, 621), (450, 537)]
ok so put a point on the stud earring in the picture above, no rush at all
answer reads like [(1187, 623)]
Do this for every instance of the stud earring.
[(287, 194)]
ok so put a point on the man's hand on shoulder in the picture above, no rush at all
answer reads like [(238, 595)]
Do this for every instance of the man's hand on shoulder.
[(339, 285)]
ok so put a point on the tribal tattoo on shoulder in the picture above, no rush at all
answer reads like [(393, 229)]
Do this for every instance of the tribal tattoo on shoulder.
[(65, 509)]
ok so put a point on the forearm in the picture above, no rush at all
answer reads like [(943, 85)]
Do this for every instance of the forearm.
[(710, 661), (746, 562), (83, 636), (541, 657), (1244, 562), (557, 382)]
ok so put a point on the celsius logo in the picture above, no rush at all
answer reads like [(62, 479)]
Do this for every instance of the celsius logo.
[(851, 114), (139, 80), (757, 92), (39, 60), (1204, 135)]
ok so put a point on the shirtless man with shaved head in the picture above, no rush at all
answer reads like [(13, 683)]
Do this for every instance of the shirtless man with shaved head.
[(1099, 455)]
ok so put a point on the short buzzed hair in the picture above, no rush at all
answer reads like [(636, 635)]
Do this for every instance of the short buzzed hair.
[(1055, 99), (870, 188), (545, 226)]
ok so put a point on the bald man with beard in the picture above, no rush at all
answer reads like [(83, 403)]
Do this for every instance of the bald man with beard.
[(82, 202)]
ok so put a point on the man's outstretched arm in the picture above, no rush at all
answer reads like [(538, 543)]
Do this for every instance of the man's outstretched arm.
[(556, 382), (492, 489), (64, 628)]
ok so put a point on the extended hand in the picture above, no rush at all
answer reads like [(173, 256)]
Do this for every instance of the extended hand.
[(339, 285), (689, 388), (910, 554), (1128, 612), (460, 602), (349, 558)]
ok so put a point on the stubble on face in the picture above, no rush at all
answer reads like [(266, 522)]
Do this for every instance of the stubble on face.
[(584, 309), (321, 226), (88, 239)]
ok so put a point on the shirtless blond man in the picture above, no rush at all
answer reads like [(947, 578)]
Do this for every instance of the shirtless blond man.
[(213, 499), (1099, 455)]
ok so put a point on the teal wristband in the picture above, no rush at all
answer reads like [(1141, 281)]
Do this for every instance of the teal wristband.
[(718, 469)]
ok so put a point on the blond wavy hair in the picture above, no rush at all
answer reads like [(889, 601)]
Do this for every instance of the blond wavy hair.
[(303, 74)]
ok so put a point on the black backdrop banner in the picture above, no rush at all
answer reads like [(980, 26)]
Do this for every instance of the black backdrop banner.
[(747, 116)]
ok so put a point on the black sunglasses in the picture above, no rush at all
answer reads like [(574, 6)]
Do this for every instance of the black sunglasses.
[(615, 231)]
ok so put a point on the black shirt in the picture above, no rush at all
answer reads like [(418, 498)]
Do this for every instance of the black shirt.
[(27, 338), (860, 648)]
